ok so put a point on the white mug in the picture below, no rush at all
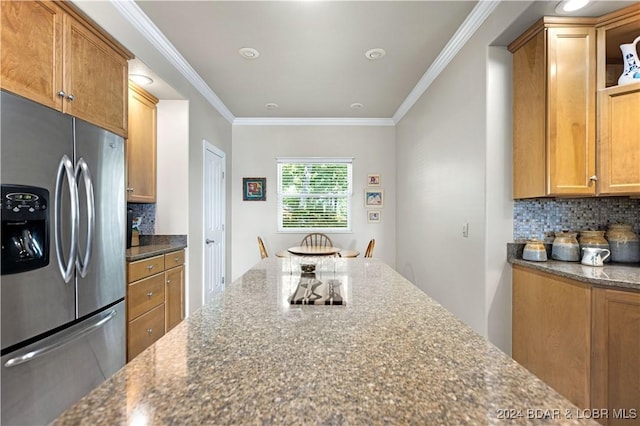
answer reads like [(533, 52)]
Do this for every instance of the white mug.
[(592, 256)]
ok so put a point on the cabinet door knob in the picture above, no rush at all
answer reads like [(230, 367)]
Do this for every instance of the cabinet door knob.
[(168, 281), (150, 267), (149, 331), (61, 94), (71, 97), (593, 178), (176, 259), (129, 189), (150, 294)]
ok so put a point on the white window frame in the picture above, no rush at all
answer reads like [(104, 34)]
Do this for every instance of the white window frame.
[(315, 160)]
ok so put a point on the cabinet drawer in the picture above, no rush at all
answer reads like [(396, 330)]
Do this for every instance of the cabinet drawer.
[(144, 331), (144, 268), (173, 259), (144, 295)]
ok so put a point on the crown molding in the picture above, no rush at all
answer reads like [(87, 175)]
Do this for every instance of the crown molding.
[(473, 21), (312, 121), (136, 17)]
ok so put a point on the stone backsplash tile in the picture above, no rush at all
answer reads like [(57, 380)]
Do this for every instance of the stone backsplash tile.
[(147, 215), (538, 218)]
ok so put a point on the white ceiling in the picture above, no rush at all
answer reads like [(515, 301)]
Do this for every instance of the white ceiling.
[(312, 53)]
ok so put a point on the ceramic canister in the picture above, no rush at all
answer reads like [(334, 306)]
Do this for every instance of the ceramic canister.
[(534, 250), (566, 247), (623, 243), (593, 239)]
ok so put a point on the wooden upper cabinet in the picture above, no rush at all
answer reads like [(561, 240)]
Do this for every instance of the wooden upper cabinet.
[(95, 79), (57, 57), (33, 69), (141, 146), (619, 140), (618, 107), (554, 82)]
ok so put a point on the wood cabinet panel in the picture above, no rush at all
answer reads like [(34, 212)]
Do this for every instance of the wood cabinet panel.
[(554, 76), (54, 55), (141, 146), (144, 268), (552, 331), (619, 140), (144, 331), (529, 107), (616, 365), (174, 297), (31, 54), (571, 107), (154, 283), (145, 294), (173, 259), (96, 77)]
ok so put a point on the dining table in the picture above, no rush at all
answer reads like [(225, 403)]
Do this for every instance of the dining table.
[(317, 251)]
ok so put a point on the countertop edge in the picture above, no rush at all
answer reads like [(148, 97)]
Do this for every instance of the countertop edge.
[(154, 245), (612, 276)]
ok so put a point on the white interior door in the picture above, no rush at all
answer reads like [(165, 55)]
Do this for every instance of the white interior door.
[(214, 219)]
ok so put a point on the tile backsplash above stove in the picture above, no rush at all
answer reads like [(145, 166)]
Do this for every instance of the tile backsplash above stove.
[(536, 218)]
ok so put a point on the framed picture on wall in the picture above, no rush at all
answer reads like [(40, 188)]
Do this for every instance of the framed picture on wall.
[(373, 198), (373, 180), (373, 216), (254, 189)]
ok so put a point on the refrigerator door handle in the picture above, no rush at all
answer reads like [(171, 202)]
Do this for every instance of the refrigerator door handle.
[(82, 169), (66, 169), (64, 340)]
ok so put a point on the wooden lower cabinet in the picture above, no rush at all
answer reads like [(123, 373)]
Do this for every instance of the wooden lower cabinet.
[(143, 331), (583, 341), (174, 296), (155, 299), (615, 383), (551, 331)]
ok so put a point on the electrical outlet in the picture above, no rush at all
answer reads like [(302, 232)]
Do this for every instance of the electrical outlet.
[(465, 230)]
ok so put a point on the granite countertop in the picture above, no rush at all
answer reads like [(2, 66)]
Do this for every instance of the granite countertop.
[(154, 245), (390, 355), (611, 275)]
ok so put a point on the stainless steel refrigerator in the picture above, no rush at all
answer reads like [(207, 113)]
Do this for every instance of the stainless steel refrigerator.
[(63, 259)]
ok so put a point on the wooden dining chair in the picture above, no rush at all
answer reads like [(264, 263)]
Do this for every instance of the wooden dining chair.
[(370, 247), (316, 239), (263, 250)]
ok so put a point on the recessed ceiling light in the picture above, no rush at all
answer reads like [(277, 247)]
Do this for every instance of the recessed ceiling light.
[(271, 105), (374, 54), (140, 79), (356, 105), (566, 6), (248, 53)]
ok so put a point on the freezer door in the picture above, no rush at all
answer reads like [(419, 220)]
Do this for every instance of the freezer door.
[(40, 381), (101, 237), (34, 141)]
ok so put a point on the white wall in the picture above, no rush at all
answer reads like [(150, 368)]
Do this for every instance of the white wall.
[(454, 168), (255, 149), (499, 202), (172, 183)]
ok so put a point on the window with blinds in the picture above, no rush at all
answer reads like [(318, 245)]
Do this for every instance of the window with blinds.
[(314, 194)]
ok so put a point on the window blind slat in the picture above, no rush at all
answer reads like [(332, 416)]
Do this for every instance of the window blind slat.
[(314, 195)]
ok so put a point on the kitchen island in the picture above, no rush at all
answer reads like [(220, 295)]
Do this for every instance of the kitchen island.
[(389, 355)]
